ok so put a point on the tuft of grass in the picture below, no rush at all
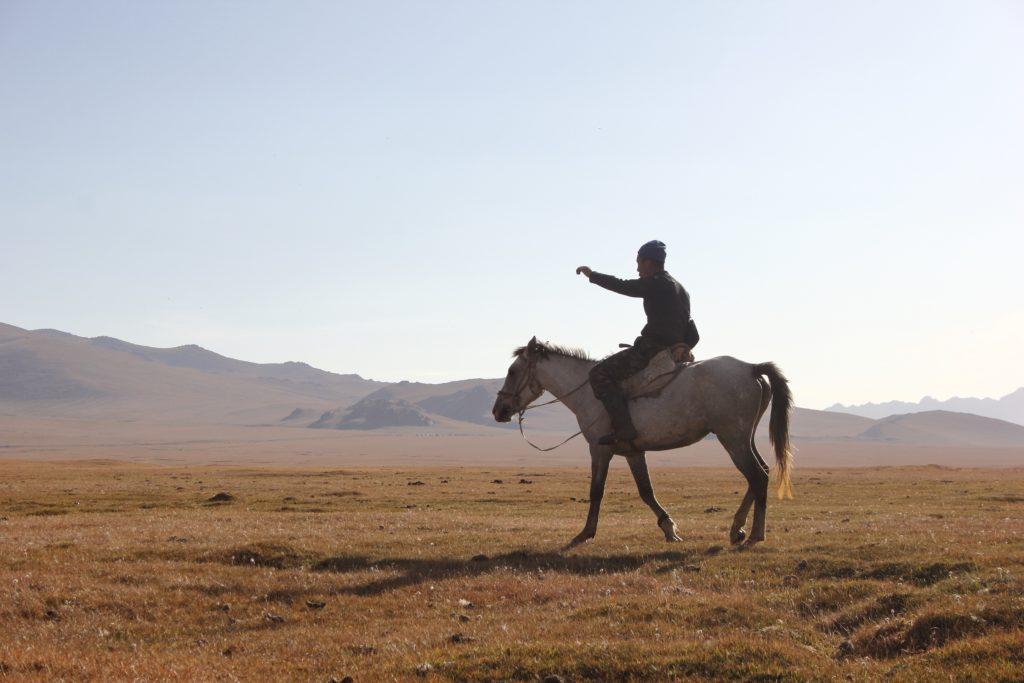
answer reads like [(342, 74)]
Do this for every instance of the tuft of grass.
[(272, 555), (922, 574), (935, 629), (888, 605), (821, 597), (730, 659)]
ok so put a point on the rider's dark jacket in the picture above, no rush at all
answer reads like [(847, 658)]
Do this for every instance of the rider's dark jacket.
[(666, 304)]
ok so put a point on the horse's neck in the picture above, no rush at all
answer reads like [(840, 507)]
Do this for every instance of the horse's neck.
[(564, 378)]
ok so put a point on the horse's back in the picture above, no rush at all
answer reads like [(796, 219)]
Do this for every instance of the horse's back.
[(720, 371), (706, 396), (717, 387)]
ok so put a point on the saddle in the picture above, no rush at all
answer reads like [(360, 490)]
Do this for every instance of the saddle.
[(659, 373)]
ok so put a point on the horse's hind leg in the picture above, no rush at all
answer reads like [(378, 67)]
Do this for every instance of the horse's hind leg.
[(735, 431), (737, 533), (760, 494), (638, 466), (766, 398), (747, 462), (760, 486)]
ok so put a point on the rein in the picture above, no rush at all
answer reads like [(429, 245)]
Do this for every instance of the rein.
[(547, 403), (527, 380)]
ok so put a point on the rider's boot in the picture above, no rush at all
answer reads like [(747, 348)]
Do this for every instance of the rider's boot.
[(623, 431)]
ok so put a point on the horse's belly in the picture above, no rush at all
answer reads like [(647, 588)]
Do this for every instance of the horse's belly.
[(662, 429)]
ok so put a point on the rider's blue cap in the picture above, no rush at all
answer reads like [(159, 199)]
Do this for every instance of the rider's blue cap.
[(654, 250)]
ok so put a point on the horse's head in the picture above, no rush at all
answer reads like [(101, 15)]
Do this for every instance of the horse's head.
[(521, 387)]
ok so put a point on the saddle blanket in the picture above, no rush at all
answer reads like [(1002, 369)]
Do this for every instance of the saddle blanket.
[(662, 369)]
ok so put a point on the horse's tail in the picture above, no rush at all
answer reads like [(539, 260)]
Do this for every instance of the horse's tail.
[(778, 425)]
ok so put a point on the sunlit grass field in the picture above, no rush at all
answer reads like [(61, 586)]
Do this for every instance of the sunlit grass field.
[(123, 571)]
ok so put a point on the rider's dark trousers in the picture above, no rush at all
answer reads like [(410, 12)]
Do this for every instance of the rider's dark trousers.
[(606, 376)]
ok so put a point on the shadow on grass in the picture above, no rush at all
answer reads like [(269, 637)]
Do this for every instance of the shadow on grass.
[(895, 637), (920, 574), (413, 571)]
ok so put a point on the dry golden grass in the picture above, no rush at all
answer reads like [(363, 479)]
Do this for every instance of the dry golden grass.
[(123, 571)]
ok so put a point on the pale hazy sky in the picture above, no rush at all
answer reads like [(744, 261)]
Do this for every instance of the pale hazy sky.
[(404, 190)]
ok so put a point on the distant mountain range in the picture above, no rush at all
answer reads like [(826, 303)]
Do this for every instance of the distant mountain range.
[(53, 374), (1009, 407), (49, 374)]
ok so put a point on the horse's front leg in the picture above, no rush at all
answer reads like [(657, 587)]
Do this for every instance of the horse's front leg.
[(638, 466), (600, 458)]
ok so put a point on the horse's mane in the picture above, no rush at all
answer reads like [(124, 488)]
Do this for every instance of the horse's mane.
[(545, 348)]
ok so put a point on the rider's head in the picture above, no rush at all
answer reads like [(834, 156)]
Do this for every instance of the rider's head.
[(650, 259)]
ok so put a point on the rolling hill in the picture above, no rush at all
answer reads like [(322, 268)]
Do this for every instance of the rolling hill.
[(471, 401), (48, 374), (375, 413), (942, 427), (806, 423), (467, 405)]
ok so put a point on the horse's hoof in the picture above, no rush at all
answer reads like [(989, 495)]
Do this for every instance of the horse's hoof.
[(669, 528), (749, 545), (738, 537), (579, 540)]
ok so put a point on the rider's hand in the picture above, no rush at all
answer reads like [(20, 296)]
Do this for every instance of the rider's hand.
[(584, 270)]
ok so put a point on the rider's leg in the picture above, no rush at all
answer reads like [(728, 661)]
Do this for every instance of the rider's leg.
[(623, 429), (605, 378)]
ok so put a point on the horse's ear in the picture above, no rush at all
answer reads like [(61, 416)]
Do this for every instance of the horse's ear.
[(531, 347)]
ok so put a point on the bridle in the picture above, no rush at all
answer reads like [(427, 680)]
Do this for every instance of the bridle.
[(529, 380)]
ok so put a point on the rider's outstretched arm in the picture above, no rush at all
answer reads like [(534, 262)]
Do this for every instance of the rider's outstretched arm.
[(638, 287)]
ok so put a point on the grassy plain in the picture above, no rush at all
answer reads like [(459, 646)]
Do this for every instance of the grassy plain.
[(111, 570)]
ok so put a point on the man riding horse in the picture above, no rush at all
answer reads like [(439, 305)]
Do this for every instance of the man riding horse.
[(669, 326), (723, 396)]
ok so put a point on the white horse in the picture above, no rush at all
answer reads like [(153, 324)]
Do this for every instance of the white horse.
[(721, 396)]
